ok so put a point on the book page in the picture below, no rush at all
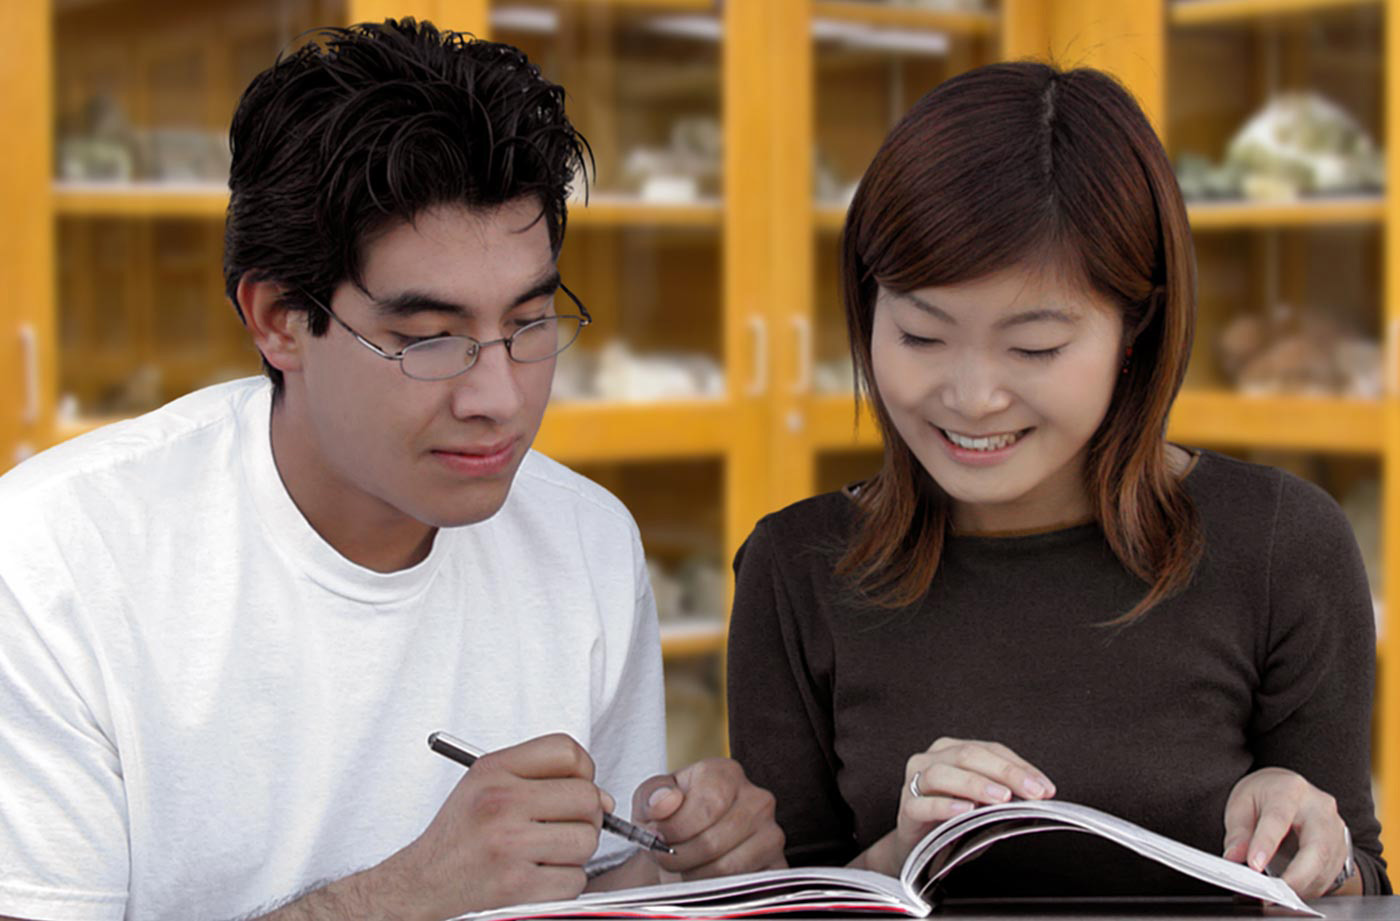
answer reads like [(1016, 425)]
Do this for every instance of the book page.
[(1056, 815), (766, 892)]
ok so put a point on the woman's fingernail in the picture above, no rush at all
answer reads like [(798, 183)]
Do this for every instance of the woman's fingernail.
[(1258, 860), (657, 795), (997, 792), (959, 805), (1033, 787)]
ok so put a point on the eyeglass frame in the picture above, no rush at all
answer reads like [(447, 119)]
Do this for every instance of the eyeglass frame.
[(583, 316)]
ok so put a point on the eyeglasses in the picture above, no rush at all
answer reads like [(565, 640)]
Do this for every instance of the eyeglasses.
[(444, 357)]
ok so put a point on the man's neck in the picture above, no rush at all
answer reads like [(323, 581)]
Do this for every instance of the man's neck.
[(361, 527)]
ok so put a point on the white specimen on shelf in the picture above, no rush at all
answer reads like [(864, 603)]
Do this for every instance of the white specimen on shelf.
[(683, 171), (1303, 143), (693, 590), (616, 373), (834, 375), (1298, 352)]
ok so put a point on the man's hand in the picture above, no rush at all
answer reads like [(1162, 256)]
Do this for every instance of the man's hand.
[(1269, 804), (518, 827), (717, 822)]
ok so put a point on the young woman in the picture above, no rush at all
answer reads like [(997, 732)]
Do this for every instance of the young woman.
[(1037, 595)]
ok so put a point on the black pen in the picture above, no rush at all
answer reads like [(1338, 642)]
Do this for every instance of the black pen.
[(466, 755)]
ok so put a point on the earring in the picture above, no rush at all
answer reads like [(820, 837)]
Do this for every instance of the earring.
[(1127, 359)]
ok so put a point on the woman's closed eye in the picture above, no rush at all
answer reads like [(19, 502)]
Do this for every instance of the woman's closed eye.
[(908, 338), (1040, 354)]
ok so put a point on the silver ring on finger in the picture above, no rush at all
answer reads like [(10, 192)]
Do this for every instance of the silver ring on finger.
[(914, 785)]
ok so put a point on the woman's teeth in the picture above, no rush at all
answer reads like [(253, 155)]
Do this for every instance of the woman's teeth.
[(985, 443)]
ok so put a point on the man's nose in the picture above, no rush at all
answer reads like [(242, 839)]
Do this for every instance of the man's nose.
[(489, 387)]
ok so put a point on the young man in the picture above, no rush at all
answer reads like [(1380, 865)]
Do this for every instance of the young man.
[(228, 627)]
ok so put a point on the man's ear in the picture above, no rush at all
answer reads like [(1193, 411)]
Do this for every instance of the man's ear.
[(277, 331)]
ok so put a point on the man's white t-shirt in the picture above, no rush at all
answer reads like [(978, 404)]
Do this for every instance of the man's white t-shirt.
[(206, 709)]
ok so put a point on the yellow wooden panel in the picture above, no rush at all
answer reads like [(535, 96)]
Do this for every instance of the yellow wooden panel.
[(832, 424), (1025, 29), (618, 212), (1314, 213), (1324, 424), (1205, 12), (1386, 745), (659, 6), (140, 200), (687, 639), (905, 17), (580, 432), (27, 326), (1127, 38)]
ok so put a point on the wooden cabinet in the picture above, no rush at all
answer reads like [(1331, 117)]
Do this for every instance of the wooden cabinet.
[(727, 136)]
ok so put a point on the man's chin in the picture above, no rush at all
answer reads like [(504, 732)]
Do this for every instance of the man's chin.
[(464, 511)]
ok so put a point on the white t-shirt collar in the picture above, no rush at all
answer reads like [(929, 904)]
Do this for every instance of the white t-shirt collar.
[(295, 537)]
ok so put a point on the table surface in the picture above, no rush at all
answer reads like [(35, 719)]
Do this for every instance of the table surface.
[(1336, 908)]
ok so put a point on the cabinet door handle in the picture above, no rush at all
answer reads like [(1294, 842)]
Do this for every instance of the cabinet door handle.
[(29, 350), (758, 327), (802, 326), (1390, 367)]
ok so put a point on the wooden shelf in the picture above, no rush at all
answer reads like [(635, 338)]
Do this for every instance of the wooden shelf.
[(140, 199), (830, 425), (874, 14), (688, 638), (1318, 212), (581, 432), (656, 6), (1210, 12), (619, 211), (1324, 424), (1226, 215), (158, 199)]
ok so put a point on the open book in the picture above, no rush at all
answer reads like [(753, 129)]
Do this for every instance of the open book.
[(848, 891)]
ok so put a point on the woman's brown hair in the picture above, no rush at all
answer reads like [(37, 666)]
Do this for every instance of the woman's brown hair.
[(1022, 164)]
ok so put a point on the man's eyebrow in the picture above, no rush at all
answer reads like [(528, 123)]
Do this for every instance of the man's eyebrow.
[(410, 303), (1039, 315)]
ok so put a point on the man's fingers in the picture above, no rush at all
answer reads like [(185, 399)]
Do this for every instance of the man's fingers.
[(709, 790), (564, 800), (555, 755), (564, 844), (656, 798)]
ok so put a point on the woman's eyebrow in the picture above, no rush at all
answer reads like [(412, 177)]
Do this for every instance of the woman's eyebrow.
[(1037, 315)]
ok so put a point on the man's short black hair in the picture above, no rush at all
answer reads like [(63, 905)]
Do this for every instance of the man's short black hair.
[(365, 127)]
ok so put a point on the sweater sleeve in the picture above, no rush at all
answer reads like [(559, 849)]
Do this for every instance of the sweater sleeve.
[(1312, 712), (780, 713)]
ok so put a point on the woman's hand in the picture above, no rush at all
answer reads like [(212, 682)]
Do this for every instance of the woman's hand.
[(1269, 803), (955, 775)]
